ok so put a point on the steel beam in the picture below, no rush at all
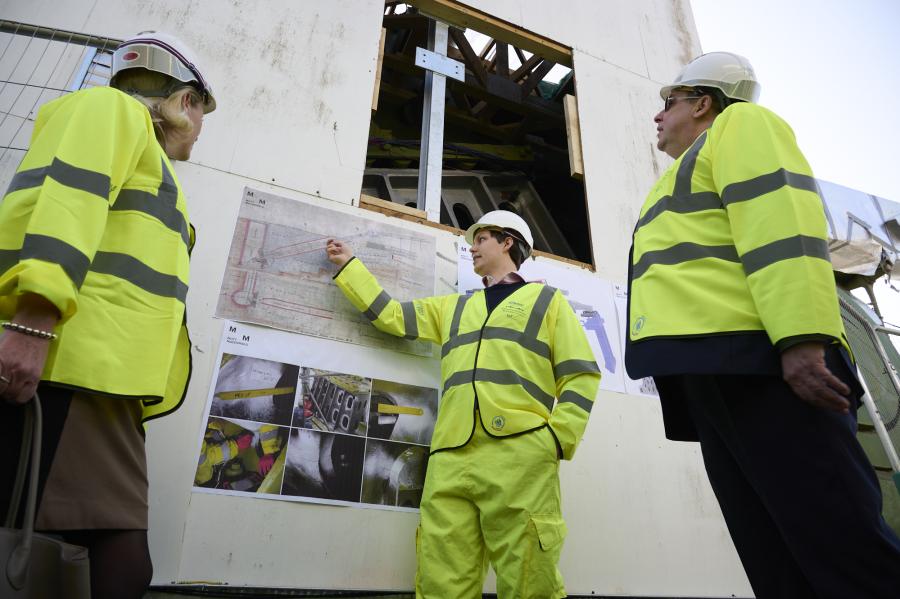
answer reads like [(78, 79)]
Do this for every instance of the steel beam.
[(428, 197)]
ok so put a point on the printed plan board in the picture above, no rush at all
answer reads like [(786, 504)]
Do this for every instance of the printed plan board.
[(590, 297), (287, 419), (277, 273), (644, 386)]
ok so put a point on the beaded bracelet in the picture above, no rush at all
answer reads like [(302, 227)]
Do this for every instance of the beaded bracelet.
[(20, 328)]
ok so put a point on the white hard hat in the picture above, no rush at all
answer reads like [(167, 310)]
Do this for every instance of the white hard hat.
[(166, 54), (730, 73), (502, 219)]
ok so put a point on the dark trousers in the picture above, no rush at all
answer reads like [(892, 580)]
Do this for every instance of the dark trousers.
[(799, 496)]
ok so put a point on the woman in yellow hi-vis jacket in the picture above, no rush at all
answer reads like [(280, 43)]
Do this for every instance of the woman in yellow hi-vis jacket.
[(94, 249), (519, 381)]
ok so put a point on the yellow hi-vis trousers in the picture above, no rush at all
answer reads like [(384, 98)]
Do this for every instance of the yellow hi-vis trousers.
[(492, 501)]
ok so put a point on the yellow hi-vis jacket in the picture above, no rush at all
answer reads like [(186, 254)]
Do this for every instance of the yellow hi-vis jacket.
[(525, 366), (95, 222), (732, 240)]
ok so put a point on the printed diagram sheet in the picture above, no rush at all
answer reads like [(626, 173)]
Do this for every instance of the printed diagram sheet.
[(298, 433), (646, 385), (278, 276), (591, 299)]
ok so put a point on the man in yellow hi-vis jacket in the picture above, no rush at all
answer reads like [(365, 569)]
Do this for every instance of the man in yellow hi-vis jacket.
[(733, 311), (519, 380)]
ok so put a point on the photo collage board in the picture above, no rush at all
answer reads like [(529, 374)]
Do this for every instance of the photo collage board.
[(294, 432)]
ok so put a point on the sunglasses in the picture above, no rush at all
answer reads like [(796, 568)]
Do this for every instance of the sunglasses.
[(671, 100)]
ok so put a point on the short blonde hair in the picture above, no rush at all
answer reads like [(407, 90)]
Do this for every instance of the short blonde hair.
[(166, 112)]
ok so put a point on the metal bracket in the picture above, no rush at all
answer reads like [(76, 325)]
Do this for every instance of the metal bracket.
[(440, 64)]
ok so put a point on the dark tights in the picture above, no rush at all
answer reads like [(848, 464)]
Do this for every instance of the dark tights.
[(120, 561)]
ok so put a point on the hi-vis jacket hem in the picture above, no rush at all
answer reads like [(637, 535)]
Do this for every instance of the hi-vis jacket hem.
[(732, 239), (95, 222), (525, 365)]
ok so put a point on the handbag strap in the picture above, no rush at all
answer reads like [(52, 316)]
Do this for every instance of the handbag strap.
[(24, 453), (17, 566)]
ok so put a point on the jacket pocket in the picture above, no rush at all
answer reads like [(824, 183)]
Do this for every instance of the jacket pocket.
[(551, 530)]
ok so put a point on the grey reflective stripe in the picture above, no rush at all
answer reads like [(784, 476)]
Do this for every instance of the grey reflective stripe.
[(79, 178), (527, 338), (377, 306), (458, 340), (226, 451), (686, 168), (579, 400), (528, 342), (574, 367), (500, 377), (519, 337), (784, 249), (758, 186), (409, 320), (455, 339), (683, 252), (27, 179), (538, 311), (64, 173), (694, 202), (162, 206), (457, 315), (50, 249), (202, 459), (682, 200), (266, 435), (139, 274), (8, 259)]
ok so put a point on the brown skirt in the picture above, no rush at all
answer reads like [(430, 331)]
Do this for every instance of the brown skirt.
[(98, 476)]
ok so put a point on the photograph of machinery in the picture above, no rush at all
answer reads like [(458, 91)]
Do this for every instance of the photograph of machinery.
[(394, 473), (324, 465), (400, 412), (255, 389), (300, 433), (332, 402)]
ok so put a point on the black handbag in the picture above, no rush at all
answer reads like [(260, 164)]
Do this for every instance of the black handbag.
[(35, 565)]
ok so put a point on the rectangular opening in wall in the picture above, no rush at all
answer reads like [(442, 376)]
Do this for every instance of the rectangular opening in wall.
[(506, 136)]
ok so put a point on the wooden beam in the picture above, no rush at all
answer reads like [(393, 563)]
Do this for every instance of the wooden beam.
[(535, 77), (520, 54), (573, 135), (487, 48), (378, 66), (463, 16), (399, 211), (526, 67), (501, 59), (472, 60), (379, 205)]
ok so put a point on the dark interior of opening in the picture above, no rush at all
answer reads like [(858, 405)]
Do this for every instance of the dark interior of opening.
[(505, 140)]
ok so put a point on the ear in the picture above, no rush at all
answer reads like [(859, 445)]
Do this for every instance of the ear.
[(703, 107), (186, 101), (508, 243)]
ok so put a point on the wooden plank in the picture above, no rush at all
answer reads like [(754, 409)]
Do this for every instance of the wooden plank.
[(463, 16), (573, 136), (377, 204), (378, 66)]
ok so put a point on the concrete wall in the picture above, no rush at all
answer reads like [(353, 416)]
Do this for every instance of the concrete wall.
[(293, 82)]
